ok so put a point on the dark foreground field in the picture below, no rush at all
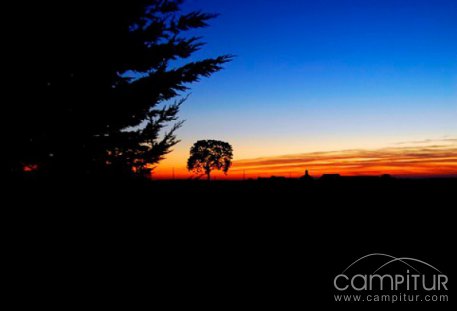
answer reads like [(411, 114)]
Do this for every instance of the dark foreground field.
[(239, 244)]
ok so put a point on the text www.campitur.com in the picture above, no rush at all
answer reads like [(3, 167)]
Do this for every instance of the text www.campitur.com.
[(391, 298)]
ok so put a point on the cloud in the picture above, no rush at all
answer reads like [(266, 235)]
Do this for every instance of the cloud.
[(419, 158), (428, 141)]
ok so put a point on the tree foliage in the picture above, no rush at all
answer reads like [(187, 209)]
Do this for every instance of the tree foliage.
[(93, 93), (208, 155)]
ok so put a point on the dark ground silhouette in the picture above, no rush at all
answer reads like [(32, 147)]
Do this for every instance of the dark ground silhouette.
[(224, 243)]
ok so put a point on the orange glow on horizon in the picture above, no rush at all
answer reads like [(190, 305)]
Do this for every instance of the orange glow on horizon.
[(431, 159)]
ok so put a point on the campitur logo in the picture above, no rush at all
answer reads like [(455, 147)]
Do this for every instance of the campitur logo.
[(381, 277)]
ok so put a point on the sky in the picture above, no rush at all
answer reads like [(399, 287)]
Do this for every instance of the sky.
[(317, 79)]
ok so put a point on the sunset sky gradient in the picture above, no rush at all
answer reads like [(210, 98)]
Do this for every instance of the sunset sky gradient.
[(426, 158), (329, 86)]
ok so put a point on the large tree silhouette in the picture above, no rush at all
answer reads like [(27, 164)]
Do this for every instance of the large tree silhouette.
[(93, 93), (208, 155)]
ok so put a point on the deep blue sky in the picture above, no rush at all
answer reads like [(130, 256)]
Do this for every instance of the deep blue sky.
[(325, 75)]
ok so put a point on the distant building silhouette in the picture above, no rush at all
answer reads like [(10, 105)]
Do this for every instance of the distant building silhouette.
[(306, 176)]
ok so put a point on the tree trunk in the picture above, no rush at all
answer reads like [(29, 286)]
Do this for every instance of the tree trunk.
[(208, 171)]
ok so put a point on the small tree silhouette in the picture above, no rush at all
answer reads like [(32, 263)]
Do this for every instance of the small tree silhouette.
[(208, 155)]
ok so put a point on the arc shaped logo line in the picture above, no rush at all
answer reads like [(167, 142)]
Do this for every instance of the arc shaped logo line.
[(384, 255), (401, 259)]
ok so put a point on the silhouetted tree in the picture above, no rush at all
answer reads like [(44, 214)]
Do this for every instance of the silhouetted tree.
[(93, 92), (208, 155)]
